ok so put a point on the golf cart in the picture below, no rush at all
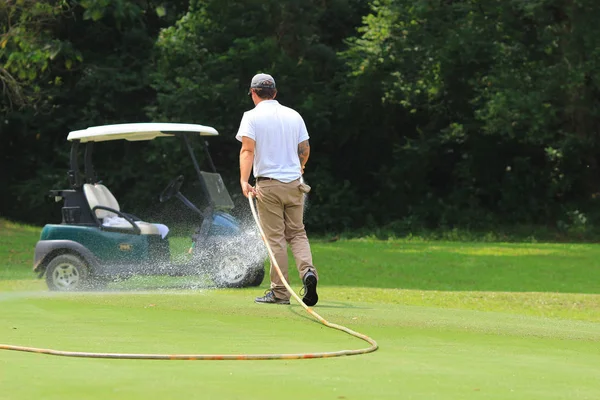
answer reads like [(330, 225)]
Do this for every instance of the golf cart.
[(97, 242)]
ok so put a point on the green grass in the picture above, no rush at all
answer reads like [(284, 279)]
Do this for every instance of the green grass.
[(17, 243), (453, 321), (451, 266)]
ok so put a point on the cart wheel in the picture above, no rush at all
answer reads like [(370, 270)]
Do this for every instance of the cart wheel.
[(232, 272), (66, 272), (258, 277)]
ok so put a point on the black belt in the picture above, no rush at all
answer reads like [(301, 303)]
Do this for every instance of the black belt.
[(264, 178)]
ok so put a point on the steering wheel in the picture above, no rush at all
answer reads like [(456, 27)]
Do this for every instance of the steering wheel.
[(171, 189)]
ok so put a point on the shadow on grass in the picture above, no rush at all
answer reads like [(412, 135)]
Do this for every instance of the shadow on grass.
[(335, 304), (299, 311)]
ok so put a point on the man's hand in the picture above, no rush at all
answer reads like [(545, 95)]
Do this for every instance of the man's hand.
[(247, 189)]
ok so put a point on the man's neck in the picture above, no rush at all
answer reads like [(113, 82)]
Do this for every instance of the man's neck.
[(261, 100)]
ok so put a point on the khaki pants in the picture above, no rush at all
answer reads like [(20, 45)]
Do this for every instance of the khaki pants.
[(281, 210)]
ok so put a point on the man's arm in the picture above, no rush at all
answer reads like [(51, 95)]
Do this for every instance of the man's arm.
[(246, 160), (303, 153)]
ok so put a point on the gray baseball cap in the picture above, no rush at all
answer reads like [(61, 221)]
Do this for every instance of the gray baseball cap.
[(262, 81)]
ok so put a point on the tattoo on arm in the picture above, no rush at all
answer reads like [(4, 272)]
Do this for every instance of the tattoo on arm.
[(303, 152)]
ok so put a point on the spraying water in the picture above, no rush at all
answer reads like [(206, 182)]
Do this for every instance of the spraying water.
[(190, 261)]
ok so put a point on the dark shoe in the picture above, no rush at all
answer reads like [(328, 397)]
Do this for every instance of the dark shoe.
[(269, 298), (310, 289)]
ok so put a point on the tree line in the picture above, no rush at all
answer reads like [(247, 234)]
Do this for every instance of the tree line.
[(422, 113)]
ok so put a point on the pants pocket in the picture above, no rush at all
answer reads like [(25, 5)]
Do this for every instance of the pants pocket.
[(304, 188)]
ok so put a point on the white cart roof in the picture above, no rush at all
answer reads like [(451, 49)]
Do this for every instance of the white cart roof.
[(139, 131)]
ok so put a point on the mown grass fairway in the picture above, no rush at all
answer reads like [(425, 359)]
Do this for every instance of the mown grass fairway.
[(453, 321)]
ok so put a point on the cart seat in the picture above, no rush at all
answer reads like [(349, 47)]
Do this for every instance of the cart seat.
[(99, 195)]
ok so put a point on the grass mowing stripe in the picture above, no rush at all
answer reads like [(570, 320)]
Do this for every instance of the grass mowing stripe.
[(65, 325), (445, 266), (584, 307)]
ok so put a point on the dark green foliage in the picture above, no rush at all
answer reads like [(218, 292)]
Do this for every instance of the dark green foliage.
[(500, 107), (427, 114)]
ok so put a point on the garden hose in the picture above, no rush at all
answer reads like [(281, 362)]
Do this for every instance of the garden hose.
[(140, 356)]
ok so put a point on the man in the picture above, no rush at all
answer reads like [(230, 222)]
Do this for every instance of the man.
[(275, 146)]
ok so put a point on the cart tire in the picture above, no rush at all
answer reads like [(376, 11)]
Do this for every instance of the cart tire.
[(258, 277), (67, 273), (231, 272)]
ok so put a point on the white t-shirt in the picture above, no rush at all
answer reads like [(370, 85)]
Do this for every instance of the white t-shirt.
[(277, 131)]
